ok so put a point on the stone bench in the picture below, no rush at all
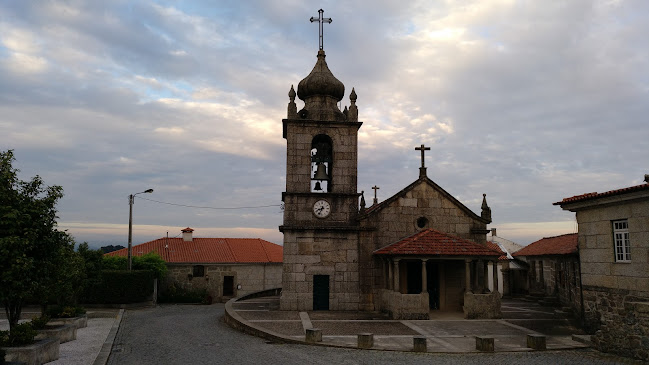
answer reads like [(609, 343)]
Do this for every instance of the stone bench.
[(484, 343)]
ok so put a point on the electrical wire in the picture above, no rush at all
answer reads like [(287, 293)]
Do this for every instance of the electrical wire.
[(215, 208)]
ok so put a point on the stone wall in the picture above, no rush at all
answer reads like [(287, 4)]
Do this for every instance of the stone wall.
[(482, 306), (620, 321), (251, 277), (404, 306), (320, 252)]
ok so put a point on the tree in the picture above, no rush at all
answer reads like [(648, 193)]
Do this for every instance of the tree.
[(111, 248), (28, 235)]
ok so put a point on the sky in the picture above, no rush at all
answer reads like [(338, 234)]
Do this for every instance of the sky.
[(528, 102)]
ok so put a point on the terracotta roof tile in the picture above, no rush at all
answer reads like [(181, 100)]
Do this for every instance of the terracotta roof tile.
[(559, 245), (595, 195), (209, 250), (432, 242), (495, 247)]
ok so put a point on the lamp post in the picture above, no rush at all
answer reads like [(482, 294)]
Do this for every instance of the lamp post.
[(131, 200)]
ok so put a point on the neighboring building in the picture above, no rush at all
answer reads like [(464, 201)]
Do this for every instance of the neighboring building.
[(614, 256), (512, 273), (554, 270), (418, 250), (225, 267)]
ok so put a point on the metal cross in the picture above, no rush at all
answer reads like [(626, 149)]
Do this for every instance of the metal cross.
[(422, 149), (321, 22), (375, 189)]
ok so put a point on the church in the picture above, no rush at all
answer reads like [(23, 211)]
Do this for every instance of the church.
[(418, 251)]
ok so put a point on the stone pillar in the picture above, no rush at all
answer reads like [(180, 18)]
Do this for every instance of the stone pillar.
[(390, 285), (490, 276), (494, 266), (395, 273), (424, 276), (467, 270), (485, 278), (501, 279), (419, 344)]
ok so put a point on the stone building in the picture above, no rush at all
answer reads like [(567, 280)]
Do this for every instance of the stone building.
[(613, 246), (417, 250), (225, 267), (554, 270), (511, 272)]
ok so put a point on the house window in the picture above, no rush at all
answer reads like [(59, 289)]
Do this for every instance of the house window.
[(199, 271), (622, 242)]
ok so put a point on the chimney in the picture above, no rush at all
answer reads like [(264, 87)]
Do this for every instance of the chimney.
[(493, 232), (187, 234)]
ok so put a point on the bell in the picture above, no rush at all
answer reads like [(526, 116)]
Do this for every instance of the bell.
[(321, 172), (317, 186)]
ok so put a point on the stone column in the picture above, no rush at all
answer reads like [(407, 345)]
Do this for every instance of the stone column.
[(395, 272), (390, 275), (490, 276), (485, 281), (467, 270), (494, 265), (424, 276)]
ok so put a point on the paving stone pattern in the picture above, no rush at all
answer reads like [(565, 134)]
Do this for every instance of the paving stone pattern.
[(181, 334)]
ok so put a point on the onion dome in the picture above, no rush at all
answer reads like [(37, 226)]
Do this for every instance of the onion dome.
[(320, 82)]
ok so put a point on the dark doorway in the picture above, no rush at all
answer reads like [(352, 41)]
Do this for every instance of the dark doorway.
[(413, 275), (228, 286), (432, 278), (320, 292)]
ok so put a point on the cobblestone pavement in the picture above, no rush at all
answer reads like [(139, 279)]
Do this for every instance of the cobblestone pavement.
[(185, 334)]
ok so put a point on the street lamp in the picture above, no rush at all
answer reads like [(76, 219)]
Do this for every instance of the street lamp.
[(131, 200)]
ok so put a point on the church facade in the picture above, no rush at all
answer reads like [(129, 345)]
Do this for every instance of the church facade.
[(417, 251)]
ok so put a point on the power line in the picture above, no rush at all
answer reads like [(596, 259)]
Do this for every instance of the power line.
[(215, 208)]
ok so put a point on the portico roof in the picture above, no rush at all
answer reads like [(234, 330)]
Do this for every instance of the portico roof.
[(430, 242)]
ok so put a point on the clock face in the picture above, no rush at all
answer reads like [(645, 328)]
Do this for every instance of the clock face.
[(321, 208)]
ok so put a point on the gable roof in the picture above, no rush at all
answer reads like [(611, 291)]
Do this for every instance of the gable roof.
[(209, 250), (378, 207), (433, 242), (497, 248), (559, 245), (595, 195)]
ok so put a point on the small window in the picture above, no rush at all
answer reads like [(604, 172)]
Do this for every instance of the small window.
[(622, 242), (422, 222), (199, 271)]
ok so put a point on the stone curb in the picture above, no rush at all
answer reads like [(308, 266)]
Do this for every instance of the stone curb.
[(104, 353)]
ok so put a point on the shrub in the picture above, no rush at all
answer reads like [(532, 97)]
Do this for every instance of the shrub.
[(174, 294), (21, 334), (38, 323), (57, 311), (2, 357), (120, 287)]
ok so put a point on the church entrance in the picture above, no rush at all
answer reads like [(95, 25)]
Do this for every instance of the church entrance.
[(432, 281), (320, 292)]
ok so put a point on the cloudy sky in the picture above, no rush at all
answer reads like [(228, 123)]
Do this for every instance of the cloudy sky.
[(526, 101)]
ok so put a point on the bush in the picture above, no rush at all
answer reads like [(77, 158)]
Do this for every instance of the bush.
[(182, 295), (38, 323), (22, 334), (57, 311), (121, 287), (2, 357)]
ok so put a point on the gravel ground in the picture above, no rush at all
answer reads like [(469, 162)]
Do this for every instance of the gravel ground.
[(181, 334)]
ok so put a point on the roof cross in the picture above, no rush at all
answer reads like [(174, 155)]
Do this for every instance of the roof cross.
[(376, 201), (321, 22), (422, 169)]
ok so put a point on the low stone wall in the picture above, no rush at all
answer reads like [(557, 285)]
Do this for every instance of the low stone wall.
[(40, 352), (404, 306), (63, 333), (482, 306), (77, 322), (620, 321)]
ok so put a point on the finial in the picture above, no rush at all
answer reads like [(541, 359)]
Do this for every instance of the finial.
[(321, 22), (353, 96), (486, 211), (353, 109), (291, 93), (362, 201)]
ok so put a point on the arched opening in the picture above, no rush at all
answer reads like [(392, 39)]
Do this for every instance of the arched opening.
[(321, 164)]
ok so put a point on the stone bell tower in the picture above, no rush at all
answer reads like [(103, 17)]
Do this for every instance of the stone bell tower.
[(321, 270)]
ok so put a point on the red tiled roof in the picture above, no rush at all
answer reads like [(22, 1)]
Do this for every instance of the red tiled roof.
[(209, 250), (559, 245), (495, 247), (432, 242), (595, 195)]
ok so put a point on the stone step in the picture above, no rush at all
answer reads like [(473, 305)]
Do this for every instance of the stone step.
[(585, 339)]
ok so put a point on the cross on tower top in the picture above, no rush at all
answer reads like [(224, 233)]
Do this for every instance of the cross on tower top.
[(422, 169), (376, 201), (321, 22)]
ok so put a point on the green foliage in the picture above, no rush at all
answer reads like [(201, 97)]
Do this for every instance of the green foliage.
[(174, 294), (111, 248), (115, 263), (38, 323), (19, 335), (29, 240), (58, 311), (150, 261), (2, 356), (121, 286)]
